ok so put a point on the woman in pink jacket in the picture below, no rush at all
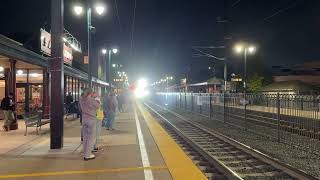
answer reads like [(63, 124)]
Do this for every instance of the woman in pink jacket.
[(89, 108)]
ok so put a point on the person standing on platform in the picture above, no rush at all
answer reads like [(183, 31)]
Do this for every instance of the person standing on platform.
[(98, 125), (120, 102), (7, 105), (109, 109), (89, 107), (69, 101)]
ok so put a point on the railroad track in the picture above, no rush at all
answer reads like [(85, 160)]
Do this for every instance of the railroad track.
[(229, 157)]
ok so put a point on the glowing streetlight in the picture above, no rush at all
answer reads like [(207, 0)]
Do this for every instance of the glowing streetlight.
[(100, 9), (115, 51), (238, 48), (78, 10), (251, 49), (246, 49), (104, 51), (114, 65)]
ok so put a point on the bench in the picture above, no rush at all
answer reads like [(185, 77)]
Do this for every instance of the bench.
[(35, 120)]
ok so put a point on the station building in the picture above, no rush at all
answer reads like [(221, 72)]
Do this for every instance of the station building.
[(26, 74)]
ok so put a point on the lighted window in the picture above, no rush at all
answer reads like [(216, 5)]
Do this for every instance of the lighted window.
[(21, 76), (35, 76)]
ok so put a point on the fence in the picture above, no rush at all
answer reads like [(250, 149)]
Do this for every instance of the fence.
[(292, 119)]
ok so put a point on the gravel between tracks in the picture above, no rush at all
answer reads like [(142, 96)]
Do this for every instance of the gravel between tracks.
[(295, 157)]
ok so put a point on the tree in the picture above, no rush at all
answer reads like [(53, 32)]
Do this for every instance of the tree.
[(255, 83)]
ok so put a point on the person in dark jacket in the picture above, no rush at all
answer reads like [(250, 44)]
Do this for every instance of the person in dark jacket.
[(7, 105)]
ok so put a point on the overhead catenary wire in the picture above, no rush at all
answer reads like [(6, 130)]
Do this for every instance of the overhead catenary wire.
[(291, 5), (118, 16), (208, 55), (132, 29)]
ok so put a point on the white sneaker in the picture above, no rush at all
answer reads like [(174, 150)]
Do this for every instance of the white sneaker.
[(92, 156)]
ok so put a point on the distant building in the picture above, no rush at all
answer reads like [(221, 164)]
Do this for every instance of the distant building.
[(213, 85), (297, 79)]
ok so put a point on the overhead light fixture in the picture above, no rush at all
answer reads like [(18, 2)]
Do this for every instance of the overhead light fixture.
[(19, 72), (34, 75)]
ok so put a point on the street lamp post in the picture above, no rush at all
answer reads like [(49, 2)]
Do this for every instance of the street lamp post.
[(110, 51), (245, 49), (78, 9)]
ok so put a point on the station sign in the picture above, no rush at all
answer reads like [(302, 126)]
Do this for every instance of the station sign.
[(45, 44), (67, 55), (85, 60)]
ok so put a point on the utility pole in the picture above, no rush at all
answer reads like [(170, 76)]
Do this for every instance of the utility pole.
[(227, 38), (89, 27), (57, 75)]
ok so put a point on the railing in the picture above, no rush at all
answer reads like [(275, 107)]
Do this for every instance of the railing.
[(291, 119)]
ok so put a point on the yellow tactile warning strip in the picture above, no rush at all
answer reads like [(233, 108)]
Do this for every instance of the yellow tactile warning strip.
[(82, 172), (179, 164)]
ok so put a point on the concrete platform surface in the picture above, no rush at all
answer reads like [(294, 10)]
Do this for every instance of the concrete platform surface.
[(131, 151)]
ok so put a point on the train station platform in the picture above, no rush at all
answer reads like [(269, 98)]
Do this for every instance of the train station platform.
[(138, 148)]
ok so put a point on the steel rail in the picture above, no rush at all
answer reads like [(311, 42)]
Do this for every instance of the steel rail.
[(267, 160)]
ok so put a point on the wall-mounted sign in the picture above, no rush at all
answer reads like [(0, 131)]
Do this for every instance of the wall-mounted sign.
[(67, 55), (45, 40), (236, 79), (85, 60)]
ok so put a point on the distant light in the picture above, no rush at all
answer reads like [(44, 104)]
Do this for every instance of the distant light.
[(251, 49), (238, 48), (34, 75), (100, 9), (78, 9), (1, 69), (114, 51), (19, 72), (104, 51), (113, 65), (171, 78), (166, 104)]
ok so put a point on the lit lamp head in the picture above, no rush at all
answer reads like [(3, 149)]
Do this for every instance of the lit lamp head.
[(100, 8), (238, 48), (78, 9), (251, 49), (1, 69), (115, 51), (104, 51), (113, 65)]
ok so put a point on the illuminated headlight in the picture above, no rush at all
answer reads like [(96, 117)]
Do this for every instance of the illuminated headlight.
[(140, 93)]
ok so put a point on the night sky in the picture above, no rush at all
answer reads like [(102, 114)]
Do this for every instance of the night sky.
[(165, 31)]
